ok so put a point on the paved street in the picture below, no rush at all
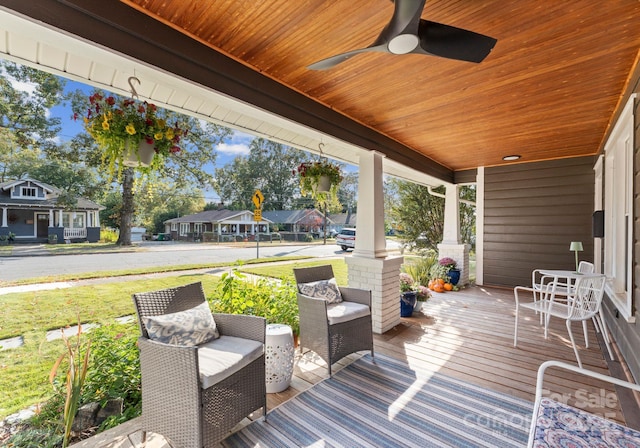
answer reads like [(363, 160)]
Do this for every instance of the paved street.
[(20, 267)]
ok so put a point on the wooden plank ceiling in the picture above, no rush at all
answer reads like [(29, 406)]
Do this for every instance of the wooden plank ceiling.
[(548, 89)]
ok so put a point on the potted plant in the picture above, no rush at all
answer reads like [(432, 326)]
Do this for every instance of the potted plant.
[(130, 131), (450, 265), (408, 295), (422, 295), (320, 176)]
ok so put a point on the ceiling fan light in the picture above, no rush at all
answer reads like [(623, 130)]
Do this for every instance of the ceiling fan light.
[(403, 44)]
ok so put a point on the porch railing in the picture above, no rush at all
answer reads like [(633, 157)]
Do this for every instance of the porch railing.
[(74, 233)]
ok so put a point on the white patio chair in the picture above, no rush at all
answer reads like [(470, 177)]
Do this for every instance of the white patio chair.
[(582, 303), (551, 418), (562, 289)]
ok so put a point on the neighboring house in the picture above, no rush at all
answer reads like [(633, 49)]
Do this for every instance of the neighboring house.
[(30, 210), (217, 222), (298, 221), (341, 220)]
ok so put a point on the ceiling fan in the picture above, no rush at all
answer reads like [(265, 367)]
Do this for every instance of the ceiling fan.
[(407, 33)]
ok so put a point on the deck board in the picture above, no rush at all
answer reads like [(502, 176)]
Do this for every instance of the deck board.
[(468, 335)]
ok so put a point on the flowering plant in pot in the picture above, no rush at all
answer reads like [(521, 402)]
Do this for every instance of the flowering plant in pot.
[(320, 176), (124, 126), (422, 295), (451, 269), (408, 294)]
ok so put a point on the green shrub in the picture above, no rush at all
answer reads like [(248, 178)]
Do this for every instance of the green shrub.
[(108, 235), (114, 371), (276, 302), (421, 268), (35, 438)]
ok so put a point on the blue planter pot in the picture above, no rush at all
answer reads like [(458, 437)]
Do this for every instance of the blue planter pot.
[(407, 303), (454, 276)]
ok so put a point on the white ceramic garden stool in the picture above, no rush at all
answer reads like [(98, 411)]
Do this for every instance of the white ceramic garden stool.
[(279, 353)]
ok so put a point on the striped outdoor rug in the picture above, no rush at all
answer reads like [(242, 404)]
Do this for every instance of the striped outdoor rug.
[(381, 402)]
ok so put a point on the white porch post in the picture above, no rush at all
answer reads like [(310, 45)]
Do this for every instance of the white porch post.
[(4, 217), (370, 267), (60, 218), (97, 212), (451, 245), (51, 222)]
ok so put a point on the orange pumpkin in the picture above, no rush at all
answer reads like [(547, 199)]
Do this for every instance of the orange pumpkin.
[(448, 286), (440, 281), (430, 284), (438, 288)]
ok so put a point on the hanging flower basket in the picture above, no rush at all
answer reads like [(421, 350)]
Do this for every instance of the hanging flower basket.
[(318, 177), (120, 124)]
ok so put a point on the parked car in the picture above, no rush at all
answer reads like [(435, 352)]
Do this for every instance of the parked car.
[(346, 238)]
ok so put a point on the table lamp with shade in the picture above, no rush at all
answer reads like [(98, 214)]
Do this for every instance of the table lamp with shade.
[(576, 246)]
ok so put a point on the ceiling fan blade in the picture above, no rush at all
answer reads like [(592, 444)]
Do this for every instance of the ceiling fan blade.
[(450, 42), (337, 59), (406, 14)]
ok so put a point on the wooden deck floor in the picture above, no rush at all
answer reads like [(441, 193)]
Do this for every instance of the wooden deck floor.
[(468, 334)]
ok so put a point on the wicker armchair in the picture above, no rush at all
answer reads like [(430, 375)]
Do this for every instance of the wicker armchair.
[(175, 401), (332, 341)]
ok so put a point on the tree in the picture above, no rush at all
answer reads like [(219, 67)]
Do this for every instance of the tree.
[(269, 168), (26, 129), (160, 200), (24, 109), (420, 215), (348, 193)]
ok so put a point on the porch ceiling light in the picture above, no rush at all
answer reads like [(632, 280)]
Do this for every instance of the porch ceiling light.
[(511, 157)]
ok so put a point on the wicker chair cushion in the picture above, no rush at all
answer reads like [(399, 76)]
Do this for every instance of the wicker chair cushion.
[(188, 328), (346, 311), (322, 289), (224, 356)]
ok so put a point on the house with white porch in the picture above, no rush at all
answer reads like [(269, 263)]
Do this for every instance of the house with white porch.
[(31, 212), (216, 225)]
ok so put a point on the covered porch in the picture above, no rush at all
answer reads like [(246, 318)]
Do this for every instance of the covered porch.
[(467, 335)]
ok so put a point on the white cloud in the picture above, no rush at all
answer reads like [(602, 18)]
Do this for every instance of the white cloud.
[(239, 137), (233, 149)]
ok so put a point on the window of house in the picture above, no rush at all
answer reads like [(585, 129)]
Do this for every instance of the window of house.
[(618, 212), (184, 228), (197, 227), (28, 192), (174, 226), (73, 220)]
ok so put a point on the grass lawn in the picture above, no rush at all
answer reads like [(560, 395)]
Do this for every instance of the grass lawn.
[(285, 271), (87, 248), (24, 371)]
